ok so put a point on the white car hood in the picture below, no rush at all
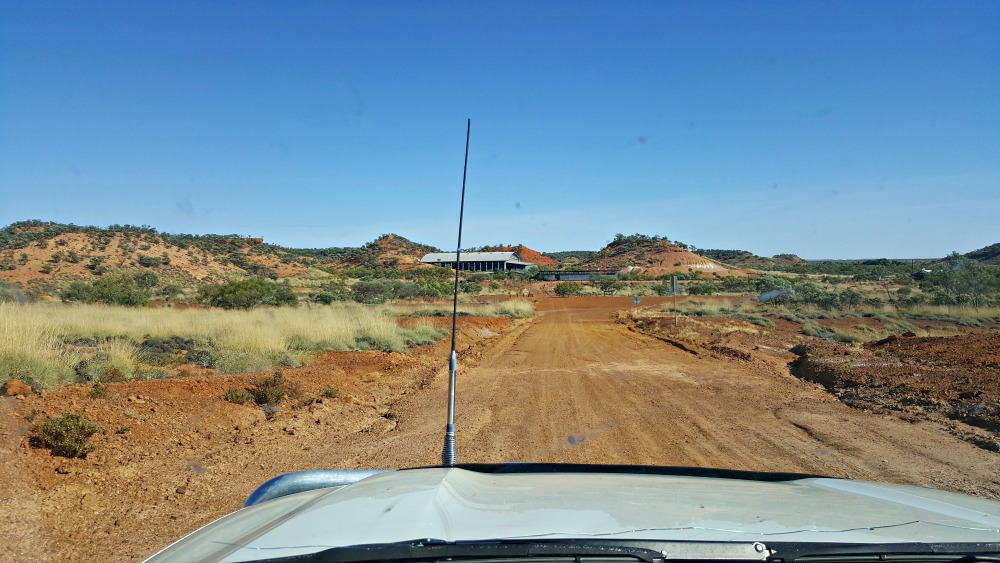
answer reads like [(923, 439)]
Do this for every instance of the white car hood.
[(454, 504)]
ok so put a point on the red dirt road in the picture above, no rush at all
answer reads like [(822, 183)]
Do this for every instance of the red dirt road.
[(569, 385)]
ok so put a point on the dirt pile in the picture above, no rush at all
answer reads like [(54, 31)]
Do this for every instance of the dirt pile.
[(952, 379)]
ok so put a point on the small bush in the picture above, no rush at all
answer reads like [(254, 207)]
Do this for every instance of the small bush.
[(237, 396), (67, 436), (149, 261), (247, 294), (563, 289), (99, 391), (330, 393), (269, 391), (120, 290), (155, 352), (470, 287), (202, 358), (115, 363), (373, 292)]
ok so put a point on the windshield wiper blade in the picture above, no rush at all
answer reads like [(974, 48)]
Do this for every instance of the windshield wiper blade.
[(891, 552), (571, 549)]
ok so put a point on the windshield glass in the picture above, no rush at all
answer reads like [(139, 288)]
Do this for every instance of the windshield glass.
[(752, 236)]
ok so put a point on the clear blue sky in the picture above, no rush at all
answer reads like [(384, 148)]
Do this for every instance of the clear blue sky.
[(826, 129)]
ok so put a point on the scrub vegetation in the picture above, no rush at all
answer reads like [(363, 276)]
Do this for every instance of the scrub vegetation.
[(48, 344), (67, 435)]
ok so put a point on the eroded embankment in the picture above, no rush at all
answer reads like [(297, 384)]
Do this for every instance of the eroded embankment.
[(954, 380)]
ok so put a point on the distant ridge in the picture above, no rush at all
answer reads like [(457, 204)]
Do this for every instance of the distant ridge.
[(44, 253), (987, 254), (745, 259)]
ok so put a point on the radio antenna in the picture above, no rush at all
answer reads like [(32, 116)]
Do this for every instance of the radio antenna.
[(449, 455)]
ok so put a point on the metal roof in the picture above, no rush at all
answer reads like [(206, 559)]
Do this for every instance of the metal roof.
[(449, 257)]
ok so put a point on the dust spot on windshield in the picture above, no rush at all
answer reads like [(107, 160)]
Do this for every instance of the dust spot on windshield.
[(575, 439)]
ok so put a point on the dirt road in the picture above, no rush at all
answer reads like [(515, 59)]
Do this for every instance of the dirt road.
[(576, 386), (569, 385)]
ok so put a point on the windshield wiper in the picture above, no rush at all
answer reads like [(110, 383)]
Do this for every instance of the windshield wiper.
[(570, 550), (889, 553), (639, 551)]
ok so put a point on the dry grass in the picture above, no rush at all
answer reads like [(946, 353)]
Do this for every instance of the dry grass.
[(515, 308), (35, 339), (741, 329)]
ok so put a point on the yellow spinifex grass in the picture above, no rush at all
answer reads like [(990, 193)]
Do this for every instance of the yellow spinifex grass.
[(515, 308), (31, 348), (34, 337)]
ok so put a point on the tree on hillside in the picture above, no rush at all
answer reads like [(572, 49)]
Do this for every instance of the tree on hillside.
[(247, 294)]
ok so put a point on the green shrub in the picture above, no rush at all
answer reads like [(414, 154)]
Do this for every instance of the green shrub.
[(247, 294), (104, 367), (237, 396), (470, 287), (121, 289), (563, 289), (609, 286), (203, 358), (704, 288), (269, 391), (149, 261), (146, 280), (378, 291), (66, 436), (79, 291), (99, 391), (330, 393)]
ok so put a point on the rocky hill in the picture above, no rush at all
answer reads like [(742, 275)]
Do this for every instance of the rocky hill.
[(988, 254), (40, 256), (744, 259), (655, 256)]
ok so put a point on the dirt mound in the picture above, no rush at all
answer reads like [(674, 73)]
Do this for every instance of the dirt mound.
[(955, 379), (654, 256)]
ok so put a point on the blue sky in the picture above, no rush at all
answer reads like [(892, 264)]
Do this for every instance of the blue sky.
[(824, 129)]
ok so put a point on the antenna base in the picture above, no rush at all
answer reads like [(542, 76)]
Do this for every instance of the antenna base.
[(449, 455)]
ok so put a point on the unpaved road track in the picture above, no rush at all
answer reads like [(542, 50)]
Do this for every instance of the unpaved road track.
[(576, 386), (569, 385)]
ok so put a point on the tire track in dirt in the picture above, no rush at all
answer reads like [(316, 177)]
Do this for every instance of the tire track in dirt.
[(575, 386)]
